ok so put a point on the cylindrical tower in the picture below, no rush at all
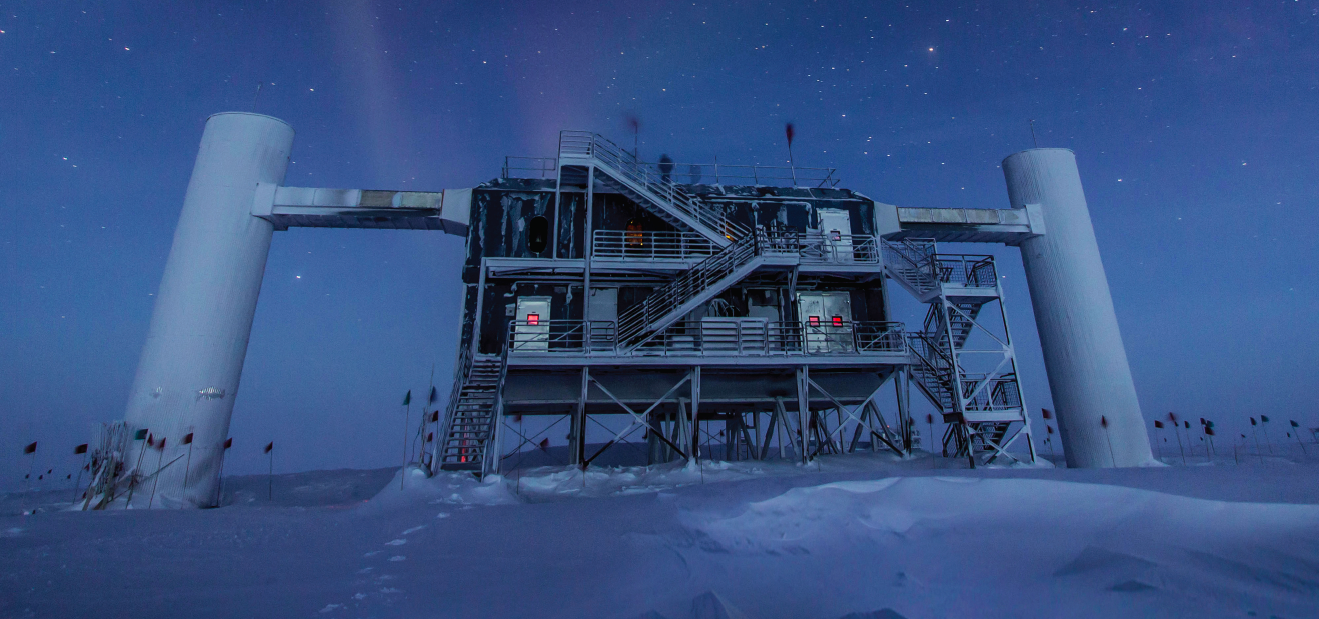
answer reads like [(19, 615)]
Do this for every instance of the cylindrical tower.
[(188, 374), (1083, 353)]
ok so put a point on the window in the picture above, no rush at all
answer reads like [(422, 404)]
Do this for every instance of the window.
[(633, 239), (814, 321), (538, 234), (838, 321), (533, 319)]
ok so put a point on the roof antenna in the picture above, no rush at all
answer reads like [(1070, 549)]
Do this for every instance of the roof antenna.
[(1032, 133), (254, 97)]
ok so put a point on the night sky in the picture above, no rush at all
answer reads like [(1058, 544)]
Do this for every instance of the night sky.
[(1194, 125)]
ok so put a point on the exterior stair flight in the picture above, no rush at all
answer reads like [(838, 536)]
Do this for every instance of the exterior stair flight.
[(660, 195)]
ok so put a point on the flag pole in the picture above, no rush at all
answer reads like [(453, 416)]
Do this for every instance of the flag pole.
[(929, 446), (270, 474), (1296, 430), (219, 488), (1103, 422), (403, 473), (1264, 422), (187, 467), (1255, 432), (156, 482), (791, 132), (1173, 418), (78, 482)]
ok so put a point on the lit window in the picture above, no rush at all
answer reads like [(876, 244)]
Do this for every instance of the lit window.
[(814, 321), (533, 319), (838, 321)]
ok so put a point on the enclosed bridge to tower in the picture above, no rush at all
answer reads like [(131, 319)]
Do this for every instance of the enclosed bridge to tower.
[(744, 307)]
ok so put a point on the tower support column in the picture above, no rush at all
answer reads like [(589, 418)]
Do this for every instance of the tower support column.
[(188, 374), (1083, 353)]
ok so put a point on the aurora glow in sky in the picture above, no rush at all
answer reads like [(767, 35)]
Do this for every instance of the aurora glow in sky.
[(1195, 126)]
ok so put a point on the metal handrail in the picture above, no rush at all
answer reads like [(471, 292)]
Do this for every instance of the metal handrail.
[(687, 285), (709, 337), (755, 174), (975, 271), (558, 336), (658, 187), (839, 248), (644, 245), (524, 167)]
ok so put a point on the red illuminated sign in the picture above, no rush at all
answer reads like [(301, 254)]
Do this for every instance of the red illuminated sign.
[(533, 319), (838, 321)]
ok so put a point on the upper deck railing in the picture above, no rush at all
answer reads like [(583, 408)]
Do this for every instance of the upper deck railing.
[(709, 337)]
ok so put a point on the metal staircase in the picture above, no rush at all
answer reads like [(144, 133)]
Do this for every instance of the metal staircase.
[(472, 419), (701, 283), (980, 408), (643, 186)]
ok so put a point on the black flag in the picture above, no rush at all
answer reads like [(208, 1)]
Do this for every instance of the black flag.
[(269, 446), (30, 449)]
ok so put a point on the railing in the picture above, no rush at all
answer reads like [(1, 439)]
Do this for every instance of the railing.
[(839, 248), (777, 176), (530, 167), (560, 336), (583, 144), (967, 270), (687, 285), (610, 244), (1003, 392), (710, 337)]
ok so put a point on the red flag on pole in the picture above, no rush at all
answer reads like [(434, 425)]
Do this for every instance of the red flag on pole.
[(1103, 421), (81, 449), (151, 440), (545, 444), (1049, 428), (1048, 414), (269, 446), (435, 416), (1158, 424), (929, 418), (30, 449), (229, 442), (187, 439), (1172, 417), (161, 445), (791, 132)]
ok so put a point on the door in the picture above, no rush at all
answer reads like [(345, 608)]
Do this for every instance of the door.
[(531, 325), (836, 226), (826, 321)]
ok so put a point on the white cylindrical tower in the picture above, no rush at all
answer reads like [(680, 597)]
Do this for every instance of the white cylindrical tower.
[(188, 374), (1083, 352)]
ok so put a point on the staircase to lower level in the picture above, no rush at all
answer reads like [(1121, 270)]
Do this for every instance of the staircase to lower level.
[(699, 284), (639, 183), (472, 415)]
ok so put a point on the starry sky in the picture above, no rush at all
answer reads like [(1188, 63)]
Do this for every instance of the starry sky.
[(1194, 124)]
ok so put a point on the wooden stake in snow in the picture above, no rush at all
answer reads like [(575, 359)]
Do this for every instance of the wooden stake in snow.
[(929, 419)]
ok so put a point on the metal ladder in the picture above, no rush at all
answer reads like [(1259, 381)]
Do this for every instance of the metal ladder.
[(643, 186), (473, 416)]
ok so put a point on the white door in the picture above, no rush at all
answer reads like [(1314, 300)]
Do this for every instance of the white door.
[(836, 226), (826, 321), (531, 325)]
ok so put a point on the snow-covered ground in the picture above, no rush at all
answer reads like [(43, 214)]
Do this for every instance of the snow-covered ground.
[(855, 536)]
